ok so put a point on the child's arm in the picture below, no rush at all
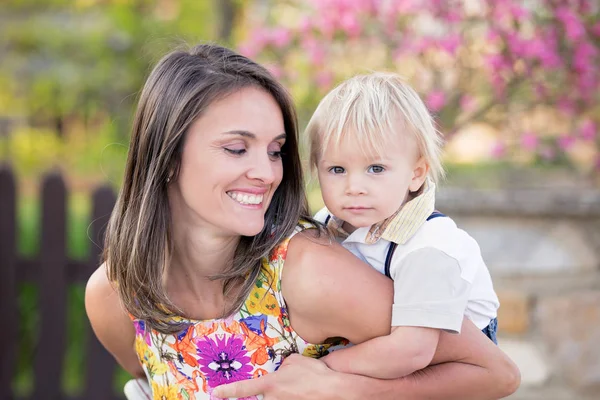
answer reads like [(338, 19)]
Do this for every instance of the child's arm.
[(430, 294), (406, 350)]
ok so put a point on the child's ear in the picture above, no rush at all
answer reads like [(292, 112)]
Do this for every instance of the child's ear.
[(419, 174)]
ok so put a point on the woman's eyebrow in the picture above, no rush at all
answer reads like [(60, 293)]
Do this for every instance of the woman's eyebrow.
[(251, 135)]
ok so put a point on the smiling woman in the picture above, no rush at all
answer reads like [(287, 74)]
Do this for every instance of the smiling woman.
[(192, 294), (237, 142)]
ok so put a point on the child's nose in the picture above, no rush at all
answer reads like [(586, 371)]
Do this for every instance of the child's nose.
[(354, 186)]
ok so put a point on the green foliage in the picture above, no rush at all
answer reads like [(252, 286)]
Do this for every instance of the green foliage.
[(36, 150), (86, 60)]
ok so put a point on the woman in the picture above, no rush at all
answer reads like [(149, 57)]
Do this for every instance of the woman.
[(192, 293)]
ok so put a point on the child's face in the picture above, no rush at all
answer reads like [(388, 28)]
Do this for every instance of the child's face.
[(364, 188)]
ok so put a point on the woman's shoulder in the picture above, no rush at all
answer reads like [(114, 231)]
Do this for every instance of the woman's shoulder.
[(102, 301), (98, 287)]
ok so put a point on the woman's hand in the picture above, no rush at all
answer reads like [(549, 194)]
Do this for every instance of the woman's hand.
[(298, 378)]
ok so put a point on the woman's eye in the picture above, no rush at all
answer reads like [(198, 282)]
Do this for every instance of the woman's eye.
[(275, 155), (376, 169), (336, 170), (237, 152)]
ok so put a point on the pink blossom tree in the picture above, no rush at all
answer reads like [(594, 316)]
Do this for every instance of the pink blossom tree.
[(500, 62)]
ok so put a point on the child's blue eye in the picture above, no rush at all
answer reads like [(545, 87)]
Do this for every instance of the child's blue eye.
[(376, 169), (337, 170)]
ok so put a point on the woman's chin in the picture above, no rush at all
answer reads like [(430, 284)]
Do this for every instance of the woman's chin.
[(250, 228)]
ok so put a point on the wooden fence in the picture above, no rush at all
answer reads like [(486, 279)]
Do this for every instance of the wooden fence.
[(52, 271)]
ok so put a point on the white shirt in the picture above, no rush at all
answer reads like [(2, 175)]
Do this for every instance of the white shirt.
[(439, 275)]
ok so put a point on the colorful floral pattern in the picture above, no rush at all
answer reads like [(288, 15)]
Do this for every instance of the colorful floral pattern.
[(247, 345)]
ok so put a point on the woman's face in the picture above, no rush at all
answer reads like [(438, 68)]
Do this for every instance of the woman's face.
[(231, 164)]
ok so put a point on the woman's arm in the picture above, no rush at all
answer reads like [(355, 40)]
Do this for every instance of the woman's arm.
[(477, 370), (496, 378), (329, 292), (110, 322)]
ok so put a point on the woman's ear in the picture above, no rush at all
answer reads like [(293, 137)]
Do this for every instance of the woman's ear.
[(420, 171)]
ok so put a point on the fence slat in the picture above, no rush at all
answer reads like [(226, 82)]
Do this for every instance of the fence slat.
[(100, 364), (8, 263), (48, 364)]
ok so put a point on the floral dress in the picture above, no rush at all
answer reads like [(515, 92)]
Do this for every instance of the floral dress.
[(249, 344)]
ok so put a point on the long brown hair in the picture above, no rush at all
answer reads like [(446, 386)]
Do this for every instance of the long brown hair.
[(138, 238)]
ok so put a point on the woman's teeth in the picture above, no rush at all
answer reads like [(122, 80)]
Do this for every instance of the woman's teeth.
[(245, 198)]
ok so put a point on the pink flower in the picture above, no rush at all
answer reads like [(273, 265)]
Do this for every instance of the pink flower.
[(499, 150), (588, 130), (260, 37), (281, 37), (585, 6), (549, 57), (518, 12), (499, 85), (324, 80), (516, 44), (496, 62), (436, 100), (450, 43), (349, 23), (565, 142), (249, 50), (547, 153), (316, 53), (467, 103), (326, 25), (596, 29), (406, 6), (540, 90), (566, 105), (583, 59), (423, 44), (493, 36), (543, 47), (587, 83), (306, 25), (452, 16), (574, 28), (275, 70), (529, 141)]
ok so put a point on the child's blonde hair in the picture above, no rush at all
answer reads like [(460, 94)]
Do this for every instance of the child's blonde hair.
[(366, 108)]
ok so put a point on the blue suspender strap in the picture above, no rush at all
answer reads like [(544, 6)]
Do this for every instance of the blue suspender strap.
[(388, 258), (435, 214), (327, 219), (392, 247)]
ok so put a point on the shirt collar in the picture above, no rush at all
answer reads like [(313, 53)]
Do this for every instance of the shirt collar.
[(403, 225)]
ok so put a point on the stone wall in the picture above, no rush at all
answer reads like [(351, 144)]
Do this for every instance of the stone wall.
[(542, 247)]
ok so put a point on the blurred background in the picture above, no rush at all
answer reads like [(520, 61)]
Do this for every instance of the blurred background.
[(514, 86)]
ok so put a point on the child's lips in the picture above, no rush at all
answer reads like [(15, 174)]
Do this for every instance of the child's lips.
[(357, 209)]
